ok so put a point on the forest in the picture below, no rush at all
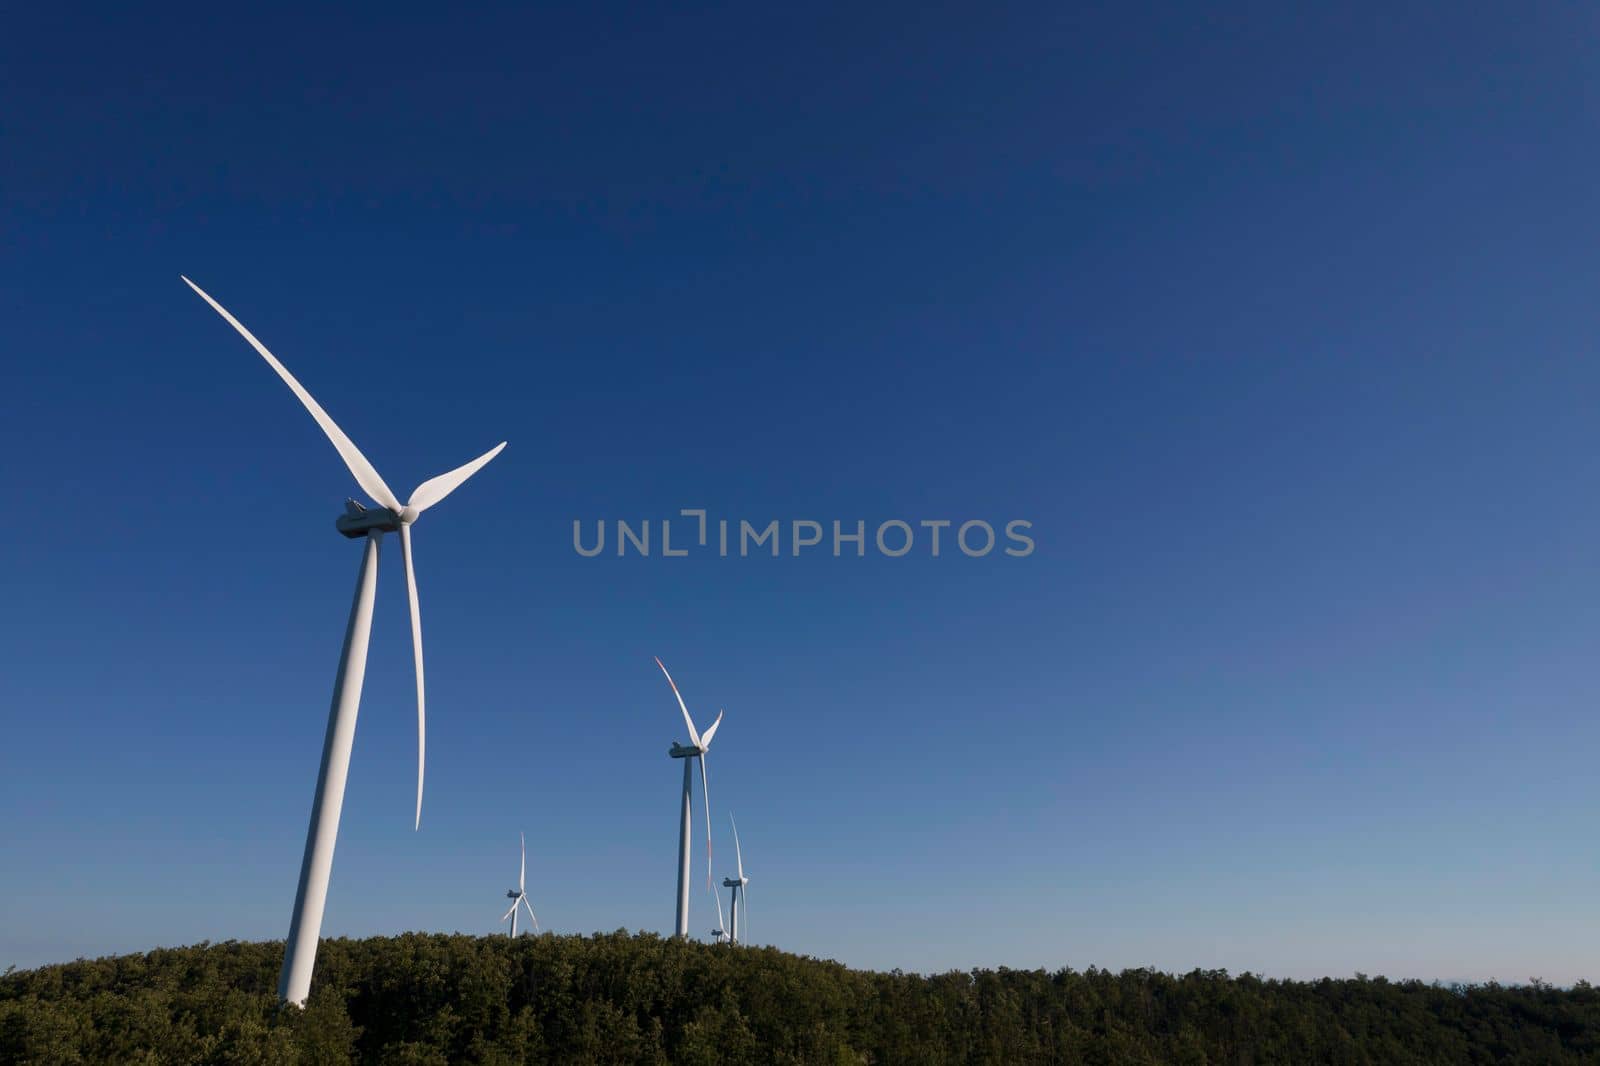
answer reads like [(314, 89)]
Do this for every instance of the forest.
[(620, 998)]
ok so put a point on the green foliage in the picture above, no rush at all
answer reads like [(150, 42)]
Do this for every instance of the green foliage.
[(616, 998)]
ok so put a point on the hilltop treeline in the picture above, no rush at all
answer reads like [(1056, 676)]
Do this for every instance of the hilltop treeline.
[(644, 999)]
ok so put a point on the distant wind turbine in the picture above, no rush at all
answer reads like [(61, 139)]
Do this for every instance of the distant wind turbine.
[(696, 749), (736, 895), (358, 522), (520, 894), (720, 933)]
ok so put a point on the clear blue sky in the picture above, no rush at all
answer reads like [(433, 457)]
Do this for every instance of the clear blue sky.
[(1280, 328)]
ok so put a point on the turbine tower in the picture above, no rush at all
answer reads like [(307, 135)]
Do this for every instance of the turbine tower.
[(736, 894), (695, 749), (357, 523), (520, 894)]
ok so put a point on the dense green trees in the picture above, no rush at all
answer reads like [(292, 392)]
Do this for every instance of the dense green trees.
[(626, 999)]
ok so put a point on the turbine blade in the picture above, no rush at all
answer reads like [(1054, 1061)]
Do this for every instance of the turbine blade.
[(435, 489), (522, 874), (744, 898), (721, 925), (694, 738), (524, 901), (508, 913), (705, 795), (705, 740), (416, 649), (737, 851), (366, 476)]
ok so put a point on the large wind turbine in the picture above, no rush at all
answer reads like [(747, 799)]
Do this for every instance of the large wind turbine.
[(300, 951), (520, 894), (696, 749), (736, 894)]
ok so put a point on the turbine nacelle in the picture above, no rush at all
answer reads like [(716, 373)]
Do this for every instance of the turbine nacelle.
[(358, 521)]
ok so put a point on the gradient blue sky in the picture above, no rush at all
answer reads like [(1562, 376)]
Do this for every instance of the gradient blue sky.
[(1279, 326)]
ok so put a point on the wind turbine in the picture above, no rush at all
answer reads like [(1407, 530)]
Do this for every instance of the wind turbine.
[(695, 749), (358, 522), (520, 894), (720, 933), (736, 895)]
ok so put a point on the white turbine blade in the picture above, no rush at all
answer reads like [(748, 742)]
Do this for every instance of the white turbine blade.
[(365, 475), (738, 853), (508, 913), (705, 739), (705, 795), (416, 649), (522, 874), (435, 489), (694, 738), (721, 925), (524, 901), (744, 899)]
